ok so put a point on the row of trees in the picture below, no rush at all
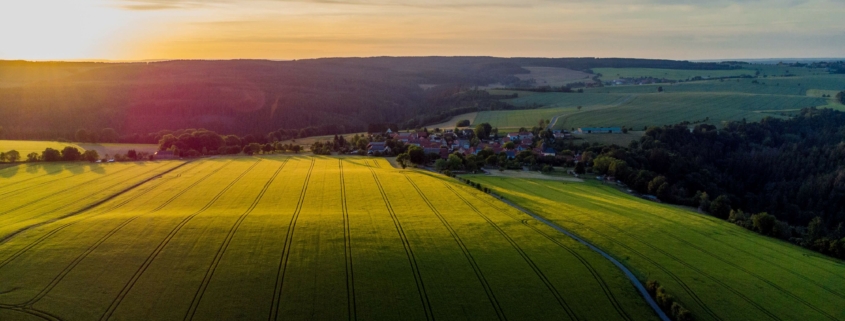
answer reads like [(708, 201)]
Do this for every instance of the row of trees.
[(194, 143), (68, 154)]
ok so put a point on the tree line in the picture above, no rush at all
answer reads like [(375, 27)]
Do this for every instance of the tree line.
[(789, 172)]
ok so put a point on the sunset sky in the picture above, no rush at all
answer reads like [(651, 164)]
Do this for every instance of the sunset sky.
[(292, 29)]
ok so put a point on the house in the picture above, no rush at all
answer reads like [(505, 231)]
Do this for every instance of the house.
[(165, 154), (599, 130), (377, 147)]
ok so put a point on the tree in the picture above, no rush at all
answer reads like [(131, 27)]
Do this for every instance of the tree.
[(2, 157), (655, 184), (454, 162), (403, 159), (32, 157), (440, 164), (764, 223), (579, 107), (13, 156), (509, 145), (416, 155), (721, 207), (130, 154), (580, 168), (839, 97), (70, 154), (483, 130), (92, 155), (660, 89), (463, 123), (51, 155)]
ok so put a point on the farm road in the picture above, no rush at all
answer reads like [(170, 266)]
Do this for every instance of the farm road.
[(624, 269)]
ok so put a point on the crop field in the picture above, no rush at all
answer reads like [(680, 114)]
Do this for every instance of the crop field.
[(716, 269), (291, 238), (25, 147), (554, 104), (666, 109)]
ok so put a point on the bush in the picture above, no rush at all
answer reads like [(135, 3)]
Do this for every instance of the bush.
[(463, 123), (651, 286)]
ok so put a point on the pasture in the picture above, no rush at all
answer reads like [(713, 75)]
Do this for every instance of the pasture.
[(318, 238), (716, 269)]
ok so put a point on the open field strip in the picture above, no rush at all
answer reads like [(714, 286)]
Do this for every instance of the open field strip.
[(26, 146), (717, 270), (54, 202), (305, 238)]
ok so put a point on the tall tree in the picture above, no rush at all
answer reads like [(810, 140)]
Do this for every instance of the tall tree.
[(13, 156), (51, 155), (71, 154)]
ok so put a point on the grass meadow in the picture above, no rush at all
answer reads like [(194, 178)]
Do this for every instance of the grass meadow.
[(716, 269), (318, 238)]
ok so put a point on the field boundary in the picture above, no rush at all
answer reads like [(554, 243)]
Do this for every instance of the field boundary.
[(630, 275), (587, 264)]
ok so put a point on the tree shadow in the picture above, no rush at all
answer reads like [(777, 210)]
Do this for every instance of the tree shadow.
[(95, 168), (9, 170)]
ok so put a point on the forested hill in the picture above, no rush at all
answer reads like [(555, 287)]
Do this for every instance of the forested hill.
[(793, 169), (49, 100)]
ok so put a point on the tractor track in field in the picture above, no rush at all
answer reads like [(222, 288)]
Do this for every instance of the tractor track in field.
[(33, 312), (283, 261), (91, 206), (347, 240), (72, 187), (42, 175), (734, 265), (108, 235), (596, 275), (477, 269), (134, 279), (209, 274), (531, 263), (426, 304), (59, 228)]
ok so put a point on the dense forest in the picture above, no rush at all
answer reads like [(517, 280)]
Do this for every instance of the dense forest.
[(53, 100), (791, 169)]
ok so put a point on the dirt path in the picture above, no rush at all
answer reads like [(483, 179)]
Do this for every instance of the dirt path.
[(628, 273)]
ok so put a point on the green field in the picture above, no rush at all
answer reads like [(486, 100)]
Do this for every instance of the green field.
[(25, 147), (315, 238), (667, 108), (716, 269), (554, 104)]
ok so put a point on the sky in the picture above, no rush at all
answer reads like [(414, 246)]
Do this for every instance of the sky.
[(296, 29)]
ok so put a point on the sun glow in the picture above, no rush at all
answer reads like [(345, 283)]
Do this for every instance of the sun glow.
[(61, 29)]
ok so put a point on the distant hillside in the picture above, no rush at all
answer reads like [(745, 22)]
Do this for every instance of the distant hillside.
[(49, 100)]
